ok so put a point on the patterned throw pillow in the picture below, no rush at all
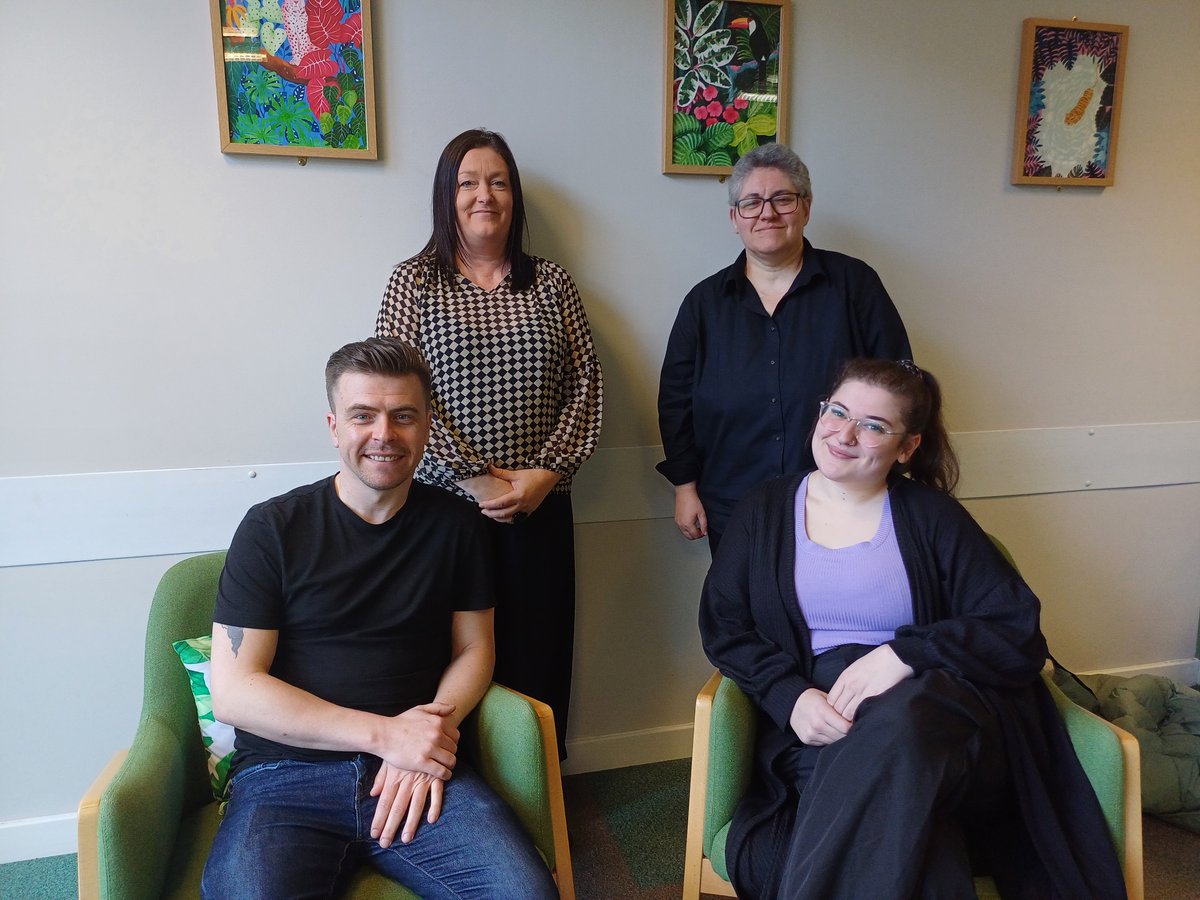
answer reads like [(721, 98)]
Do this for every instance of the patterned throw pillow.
[(218, 737)]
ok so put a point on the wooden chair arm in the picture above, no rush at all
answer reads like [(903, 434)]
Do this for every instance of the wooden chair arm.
[(88, 859)]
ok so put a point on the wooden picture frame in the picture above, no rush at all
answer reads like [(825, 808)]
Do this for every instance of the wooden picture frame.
[(1069, 103), (725, 81), (294, 77)]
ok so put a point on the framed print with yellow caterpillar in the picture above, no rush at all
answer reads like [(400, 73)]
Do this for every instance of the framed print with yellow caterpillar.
[(1069, 103)]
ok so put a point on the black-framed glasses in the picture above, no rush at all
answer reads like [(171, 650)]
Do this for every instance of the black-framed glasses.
[(867, 432), (783, 203)]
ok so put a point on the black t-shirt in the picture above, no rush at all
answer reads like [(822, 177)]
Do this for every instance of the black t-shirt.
[(363, 611)]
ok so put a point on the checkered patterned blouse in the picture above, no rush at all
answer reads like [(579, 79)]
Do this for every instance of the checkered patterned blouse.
[(516, 381)]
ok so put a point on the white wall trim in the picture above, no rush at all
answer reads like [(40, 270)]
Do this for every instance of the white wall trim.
[(1059, 460), (117, 515), (42, 836), (629, 748), (1185, 671)]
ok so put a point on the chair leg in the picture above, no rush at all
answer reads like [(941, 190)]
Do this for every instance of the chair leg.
[(698, 790)]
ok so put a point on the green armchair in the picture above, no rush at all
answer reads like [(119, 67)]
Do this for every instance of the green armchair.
[(147, 822), (722, 759)]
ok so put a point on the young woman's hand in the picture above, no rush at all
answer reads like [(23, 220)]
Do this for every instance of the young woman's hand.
[(867, 676), (815, 722)]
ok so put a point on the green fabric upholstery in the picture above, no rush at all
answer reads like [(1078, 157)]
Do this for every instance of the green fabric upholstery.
[(730, 764), (1004, 551), (501, 738), (717, 855), (197, 829), (985, 889), (1099, 752), (157, 817)]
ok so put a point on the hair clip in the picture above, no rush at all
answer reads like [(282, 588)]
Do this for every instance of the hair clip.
[(909, 366)]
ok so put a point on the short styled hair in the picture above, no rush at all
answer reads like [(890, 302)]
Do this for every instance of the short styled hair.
[(387, 356), (770, 156)]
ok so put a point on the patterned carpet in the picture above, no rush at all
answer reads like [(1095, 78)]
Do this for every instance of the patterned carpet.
[(627, 828)]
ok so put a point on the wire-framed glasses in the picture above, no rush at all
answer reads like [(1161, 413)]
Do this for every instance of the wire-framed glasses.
[(867, 432), (783, 203)]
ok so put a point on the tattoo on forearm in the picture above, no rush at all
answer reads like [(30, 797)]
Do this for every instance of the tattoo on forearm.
[(235, 637)]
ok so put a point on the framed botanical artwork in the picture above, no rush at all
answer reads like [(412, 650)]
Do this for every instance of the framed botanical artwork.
[(1069, 103), (294, 77), (726, 67)]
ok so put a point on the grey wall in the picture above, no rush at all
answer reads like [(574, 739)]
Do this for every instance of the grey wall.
[(166, 307)]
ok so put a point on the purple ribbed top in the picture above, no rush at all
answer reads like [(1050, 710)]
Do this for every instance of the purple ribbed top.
[(853, 595)]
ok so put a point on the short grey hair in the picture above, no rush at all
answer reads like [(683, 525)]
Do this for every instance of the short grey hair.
[(770, 156)]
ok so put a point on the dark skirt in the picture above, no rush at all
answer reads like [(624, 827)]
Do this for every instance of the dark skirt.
[(535, 605)]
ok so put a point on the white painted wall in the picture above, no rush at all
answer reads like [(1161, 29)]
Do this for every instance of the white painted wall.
[(166, 307)]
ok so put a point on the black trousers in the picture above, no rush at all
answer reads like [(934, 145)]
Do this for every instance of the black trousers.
[(889, 810), (535, 606)]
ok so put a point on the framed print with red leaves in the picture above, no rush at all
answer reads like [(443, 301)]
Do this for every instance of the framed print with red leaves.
[(294, 77)]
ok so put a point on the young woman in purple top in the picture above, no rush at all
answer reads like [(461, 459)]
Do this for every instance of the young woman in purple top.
[(905, 739)]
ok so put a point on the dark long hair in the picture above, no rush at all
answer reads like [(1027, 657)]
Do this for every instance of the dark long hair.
[(445, 241), (933, 462)]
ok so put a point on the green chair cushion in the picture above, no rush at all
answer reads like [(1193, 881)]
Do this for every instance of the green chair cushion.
[(502, 739), (1099, 752), (196, 834), (730, 759), (717, 856), (985, 889), (197, 831)]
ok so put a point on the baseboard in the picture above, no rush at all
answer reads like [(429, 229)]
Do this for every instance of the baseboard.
[(629, 748), (33, 838), (1185, 671)]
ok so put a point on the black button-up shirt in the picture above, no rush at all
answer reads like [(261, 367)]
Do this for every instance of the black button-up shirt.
[(739, 388)]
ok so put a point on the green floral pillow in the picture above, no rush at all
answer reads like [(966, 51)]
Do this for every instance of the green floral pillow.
[(218, 737)]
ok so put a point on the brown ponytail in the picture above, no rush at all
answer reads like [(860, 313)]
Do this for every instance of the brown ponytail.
[(934, 462)]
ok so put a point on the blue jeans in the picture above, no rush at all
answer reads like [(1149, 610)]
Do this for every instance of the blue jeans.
[(298, 829)]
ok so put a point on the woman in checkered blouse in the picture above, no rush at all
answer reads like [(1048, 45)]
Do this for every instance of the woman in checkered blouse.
[(517, 395)]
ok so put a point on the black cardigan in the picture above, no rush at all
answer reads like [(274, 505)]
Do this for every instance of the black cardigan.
[(972, 614)]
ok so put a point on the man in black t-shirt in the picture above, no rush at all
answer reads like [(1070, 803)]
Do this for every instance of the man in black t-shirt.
[(352, 635)]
